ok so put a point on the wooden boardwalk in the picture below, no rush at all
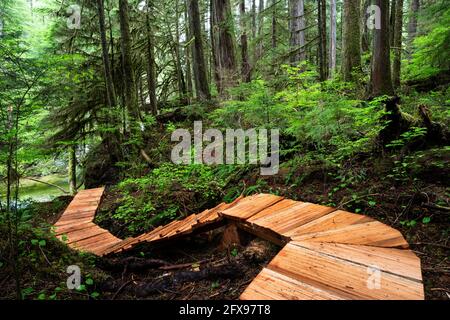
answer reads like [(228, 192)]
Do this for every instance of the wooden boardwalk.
[(327, 253)]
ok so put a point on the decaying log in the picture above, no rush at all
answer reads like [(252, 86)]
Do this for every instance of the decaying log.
[(132, 264), (166, 282)]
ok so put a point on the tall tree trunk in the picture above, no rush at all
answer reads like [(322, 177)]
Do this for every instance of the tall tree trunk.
[(72, 168), (333, 41), (274, 24), (365, 41), (187, 52), (254, 34), (110, 92), (322, 24), (225, 44), (351, 48), (127, 63), (176, 47), (260, 42), (245, 68), (398, 32), (151, 64), (198, 56), (412, 24), (392, 22), (297, 26), (381, 64), (214, 51)]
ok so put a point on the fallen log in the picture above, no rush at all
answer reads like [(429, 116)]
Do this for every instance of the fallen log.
[(167, 282)]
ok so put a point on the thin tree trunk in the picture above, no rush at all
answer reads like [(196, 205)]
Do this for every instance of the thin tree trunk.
[(110, 92), (127, 64), (245, 69), (351, 48), (381, 64), (398, 32), (412, 25), (72, 168), (198, 56), (322, 26), (151, 64), (365, 41), (260, 42), (274, 24), (392, 22), (187, 53), (180, 75), (332, 37), (254, 34)]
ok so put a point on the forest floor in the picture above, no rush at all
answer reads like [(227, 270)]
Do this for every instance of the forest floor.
[(408, 207), (199, 268)]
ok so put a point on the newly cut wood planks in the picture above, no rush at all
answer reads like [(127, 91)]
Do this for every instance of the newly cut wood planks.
[(330, 254), (334, 220), (250, 206), (403, 263), (271, 285), (343, 277), (284, 221), (372, 233)]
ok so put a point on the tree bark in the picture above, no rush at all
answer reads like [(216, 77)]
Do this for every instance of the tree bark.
[(245, 68), (332, 36), (260, 42), (412, 25), (392, 22), (72, 168), (398, 32), (127, 63), (151, 64), (322, 26), (110, 92), (198, 56), (351, 47), (274, 24), (187, 52), (365, 34), (297, 26), (381, 64), (224, 41)]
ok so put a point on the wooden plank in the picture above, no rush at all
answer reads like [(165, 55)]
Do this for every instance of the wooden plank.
[(102, 243), (277, 207), (292, 217), (76, 216), (70, 228), (83, 234), (250, 206), (342, 277), (103, 238), (72, 222), (403, 263), (331, 221), (370, 233), (271, 285)]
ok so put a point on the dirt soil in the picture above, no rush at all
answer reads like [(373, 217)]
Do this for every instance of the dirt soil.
[(202, 270)]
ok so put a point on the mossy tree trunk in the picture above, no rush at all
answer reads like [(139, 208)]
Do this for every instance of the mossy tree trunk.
[(351, 46)]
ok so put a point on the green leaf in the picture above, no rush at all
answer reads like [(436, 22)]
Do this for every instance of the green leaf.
[(95, 295), (41, 296), (34, 242), (42, 243), (89, 281), (372, 203), (426, 220)]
